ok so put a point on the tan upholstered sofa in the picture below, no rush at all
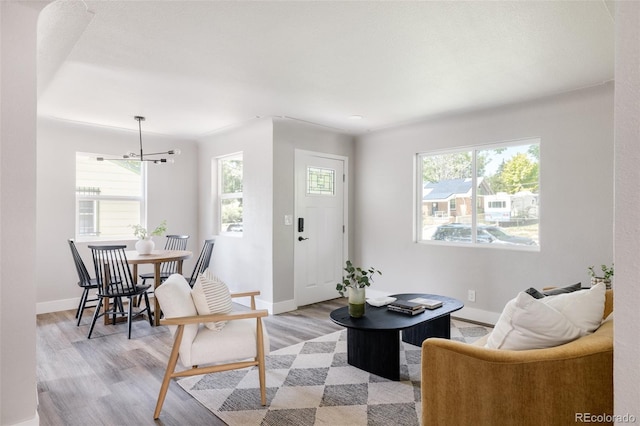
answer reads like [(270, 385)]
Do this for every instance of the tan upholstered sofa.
[(468, 384)]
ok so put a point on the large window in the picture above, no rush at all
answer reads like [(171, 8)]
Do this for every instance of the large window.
[(488, 195), (109, 198), (230, 193)]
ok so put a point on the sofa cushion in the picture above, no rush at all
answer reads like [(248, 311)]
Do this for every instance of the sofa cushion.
[(534, 293), (529, 323), (583, 308), (553, 291), (211, 296), (562, 290)]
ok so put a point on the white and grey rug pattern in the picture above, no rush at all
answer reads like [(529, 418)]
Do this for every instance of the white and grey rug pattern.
[(310, 383)]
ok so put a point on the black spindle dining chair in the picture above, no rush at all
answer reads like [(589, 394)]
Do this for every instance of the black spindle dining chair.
[(85, 282), (203, 260), (115, 281)]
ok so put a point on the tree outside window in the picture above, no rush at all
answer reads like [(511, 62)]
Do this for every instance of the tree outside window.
[(230, 193)]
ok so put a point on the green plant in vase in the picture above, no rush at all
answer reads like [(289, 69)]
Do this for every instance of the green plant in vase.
[(354, 284), (145, 244)]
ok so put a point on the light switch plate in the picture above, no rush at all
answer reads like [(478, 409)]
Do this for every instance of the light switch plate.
[(288, 219)]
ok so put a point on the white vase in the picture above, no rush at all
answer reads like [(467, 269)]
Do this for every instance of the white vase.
[(145, 245)]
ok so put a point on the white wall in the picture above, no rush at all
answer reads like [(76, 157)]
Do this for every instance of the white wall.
[(171, 195), (18, 212), (290, 135), (244, 263), (627, 210), (263, 257), (576, 132)]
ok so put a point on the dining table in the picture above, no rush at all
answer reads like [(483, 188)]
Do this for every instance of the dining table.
[(156, 257)]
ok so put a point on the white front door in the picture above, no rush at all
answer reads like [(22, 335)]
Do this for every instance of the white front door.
[(320, 226)]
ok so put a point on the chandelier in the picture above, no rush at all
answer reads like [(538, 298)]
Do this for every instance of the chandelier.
[(134, 156)]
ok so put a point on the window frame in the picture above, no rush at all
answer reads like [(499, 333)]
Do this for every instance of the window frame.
[(95, 236), (222, 196), (473, 149)]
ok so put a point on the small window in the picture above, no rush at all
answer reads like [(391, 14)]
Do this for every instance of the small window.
[(230, 175), (109, 197), (321, 181), (487, 194)]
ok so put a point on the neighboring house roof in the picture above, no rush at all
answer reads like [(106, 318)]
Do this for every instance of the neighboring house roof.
[(447, 189)]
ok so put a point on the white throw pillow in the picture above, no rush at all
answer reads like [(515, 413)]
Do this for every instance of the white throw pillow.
[(527, 323), (174, 296), (211, 296), (583, 308)]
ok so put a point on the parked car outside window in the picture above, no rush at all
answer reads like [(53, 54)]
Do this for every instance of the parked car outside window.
[(461, 232)]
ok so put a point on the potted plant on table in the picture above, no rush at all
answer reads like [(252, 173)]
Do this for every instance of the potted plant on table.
[(601, 277), (354, 283), (145, 244)]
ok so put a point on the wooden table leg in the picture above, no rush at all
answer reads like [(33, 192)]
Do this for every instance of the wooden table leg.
[(156, 284)]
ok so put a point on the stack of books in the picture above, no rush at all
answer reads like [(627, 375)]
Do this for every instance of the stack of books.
[(406, 307), (427, 303)]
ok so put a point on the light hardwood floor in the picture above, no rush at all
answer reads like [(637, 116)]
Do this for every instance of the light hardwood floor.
[(110, 380)]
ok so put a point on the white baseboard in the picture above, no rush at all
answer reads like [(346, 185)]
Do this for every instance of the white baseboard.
[(57, 305), (477, 315), (34, 421), (278, 307)]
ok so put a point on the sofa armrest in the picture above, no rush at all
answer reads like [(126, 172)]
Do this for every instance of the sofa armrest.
[(470, 384)]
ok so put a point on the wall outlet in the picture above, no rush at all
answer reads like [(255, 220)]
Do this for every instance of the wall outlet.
[(471, 295)]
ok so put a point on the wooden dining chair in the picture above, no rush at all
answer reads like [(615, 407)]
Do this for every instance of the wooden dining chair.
[(203, 260), (174, 242), (85, 282), (116, 282)]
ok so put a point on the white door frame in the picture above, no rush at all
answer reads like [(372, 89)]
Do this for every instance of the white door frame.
[(345, 208)]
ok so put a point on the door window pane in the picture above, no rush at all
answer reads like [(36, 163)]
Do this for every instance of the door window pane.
[(320, 181)]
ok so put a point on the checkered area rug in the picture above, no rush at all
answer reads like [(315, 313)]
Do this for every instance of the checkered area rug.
[(310, 383)]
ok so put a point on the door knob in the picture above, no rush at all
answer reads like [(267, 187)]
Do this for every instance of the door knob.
[(302, 238)]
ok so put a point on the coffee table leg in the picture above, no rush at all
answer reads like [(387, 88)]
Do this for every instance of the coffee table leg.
[(377, 352), (438, 327)]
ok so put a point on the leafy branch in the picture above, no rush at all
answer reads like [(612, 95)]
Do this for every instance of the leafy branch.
[(142, 233), (356, 278)]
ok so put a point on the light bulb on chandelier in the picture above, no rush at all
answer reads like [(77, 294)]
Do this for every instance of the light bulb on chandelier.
[(134, 156)]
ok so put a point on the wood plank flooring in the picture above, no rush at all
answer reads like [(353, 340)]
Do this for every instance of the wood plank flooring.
[(110, 380)]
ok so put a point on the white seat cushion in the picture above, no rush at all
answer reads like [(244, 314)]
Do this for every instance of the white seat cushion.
[(235, 342)]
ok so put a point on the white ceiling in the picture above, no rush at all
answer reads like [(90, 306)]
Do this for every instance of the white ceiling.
[(195, 67)]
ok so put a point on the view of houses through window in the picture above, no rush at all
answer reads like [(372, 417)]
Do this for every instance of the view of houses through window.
[(230, 193), (109, 197), (488, 194)]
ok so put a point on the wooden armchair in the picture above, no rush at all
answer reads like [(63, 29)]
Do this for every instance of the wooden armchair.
[(239, 344)]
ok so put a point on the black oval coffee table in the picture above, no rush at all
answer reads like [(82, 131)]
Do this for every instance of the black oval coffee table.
[(373, 341)]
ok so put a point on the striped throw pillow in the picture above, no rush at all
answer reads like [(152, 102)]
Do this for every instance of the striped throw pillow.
[(211, 296)]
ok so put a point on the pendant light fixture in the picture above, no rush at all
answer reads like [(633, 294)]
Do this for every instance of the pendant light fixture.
[(134, 156)]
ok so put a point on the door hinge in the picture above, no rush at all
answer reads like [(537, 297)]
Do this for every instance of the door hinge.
[(343, 229)]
